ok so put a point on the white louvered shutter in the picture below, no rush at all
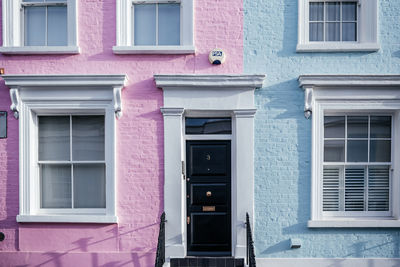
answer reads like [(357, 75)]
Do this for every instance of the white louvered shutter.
[(378, 188), (354, 189), (331, 185)]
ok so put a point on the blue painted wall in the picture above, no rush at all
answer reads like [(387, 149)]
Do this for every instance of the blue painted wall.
[(283, 135)]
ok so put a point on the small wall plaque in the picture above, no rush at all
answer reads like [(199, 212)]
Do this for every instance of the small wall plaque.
[(208, 208), (3, 124)]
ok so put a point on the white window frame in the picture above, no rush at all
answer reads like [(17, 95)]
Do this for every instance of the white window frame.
[(37, 95), (350, 94), (13, 31), (124, 38), (367, 29)]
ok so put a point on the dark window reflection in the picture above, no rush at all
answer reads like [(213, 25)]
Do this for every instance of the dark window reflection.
[(208, 126)]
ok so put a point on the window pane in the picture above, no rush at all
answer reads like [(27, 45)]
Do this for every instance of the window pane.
[(56, 186), (334, 126), (35, 26), (316, 32), (357, 151), (89, 186), (349, 11), (333, 11), (57, 26), (54, 138), (145, 24), (357, 127), (3, 124), (380, 151), (381, 127), (349, 31), (169, 24), (334, 151), (332, 31), (88, 137), (317, 11), (208, 125)]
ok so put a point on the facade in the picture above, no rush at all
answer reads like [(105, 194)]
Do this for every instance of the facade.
[(113, 114)]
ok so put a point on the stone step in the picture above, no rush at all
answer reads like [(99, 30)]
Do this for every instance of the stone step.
[(207, 262)]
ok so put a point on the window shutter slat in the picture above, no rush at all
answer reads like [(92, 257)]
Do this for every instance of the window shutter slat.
[(378, 188), (331, 189), (354, 189)]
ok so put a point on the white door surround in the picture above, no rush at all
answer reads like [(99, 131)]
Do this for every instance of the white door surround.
[(207, 95)]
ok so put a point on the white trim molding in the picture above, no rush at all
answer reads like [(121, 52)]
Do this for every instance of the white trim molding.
[(351, 94), (35, 95), (13, 31), (367, 30), (208, 95), (125, 30), (327, 262)]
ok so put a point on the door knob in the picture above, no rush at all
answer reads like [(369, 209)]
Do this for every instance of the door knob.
[(208, 194)]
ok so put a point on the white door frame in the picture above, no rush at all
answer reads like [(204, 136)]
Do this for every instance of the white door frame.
[(207, 95)]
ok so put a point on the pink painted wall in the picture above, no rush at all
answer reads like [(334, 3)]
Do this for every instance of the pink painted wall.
[(140, 137)]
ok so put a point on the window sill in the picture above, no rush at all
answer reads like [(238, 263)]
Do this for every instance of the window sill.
[(165, 49), (39, 50), (338, 47), (67, 219), (354, 223)]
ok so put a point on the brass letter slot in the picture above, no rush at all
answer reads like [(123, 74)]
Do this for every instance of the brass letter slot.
[(208, 208)]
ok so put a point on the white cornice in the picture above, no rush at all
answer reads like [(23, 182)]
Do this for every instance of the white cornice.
[(64, 80), (16, 83), (348, 80), (214, 81)]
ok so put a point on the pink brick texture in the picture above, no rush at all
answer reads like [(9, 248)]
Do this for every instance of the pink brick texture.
[(133, 241)]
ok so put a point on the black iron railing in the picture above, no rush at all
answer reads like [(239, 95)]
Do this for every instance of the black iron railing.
[(251, 257), (160, 255)]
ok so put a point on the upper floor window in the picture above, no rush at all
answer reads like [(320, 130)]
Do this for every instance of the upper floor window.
[(45, 22), (39, 27), (333, 21), (337, 26), (154, 26)]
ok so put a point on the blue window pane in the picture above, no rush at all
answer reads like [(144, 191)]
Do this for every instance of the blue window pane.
[(334, 151), (349, 11), (169, 24), (316, 11), (145, 24), (332, 31), (357, 151), (357, 126), (35, 26), (208, 125), (333, 11), (349, 32), (57, 26), (334, 126), (380, 151)]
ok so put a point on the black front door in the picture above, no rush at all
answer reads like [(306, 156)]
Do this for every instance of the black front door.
[(208, 188)]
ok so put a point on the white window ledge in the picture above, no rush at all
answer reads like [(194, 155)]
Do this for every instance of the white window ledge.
[(67, 218), (165, 49), (39, 50), (338, 47), (349, 223)]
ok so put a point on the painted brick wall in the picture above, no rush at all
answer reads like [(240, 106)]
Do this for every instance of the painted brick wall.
[(140, 135), (283, 135)]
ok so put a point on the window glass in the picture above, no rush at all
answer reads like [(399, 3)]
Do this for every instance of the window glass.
[(89, 186), (56, 186), (145, 24), (3, 124), (46, 25), (169, 24), (54, 134), (334, 151), (88, 138), (79, 182), (35, 26), (357, 151), (57, 26), (334, 126), (157, 24), (357, 126), (332, 21), (381, 126), (208, 126), (380, 151)]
